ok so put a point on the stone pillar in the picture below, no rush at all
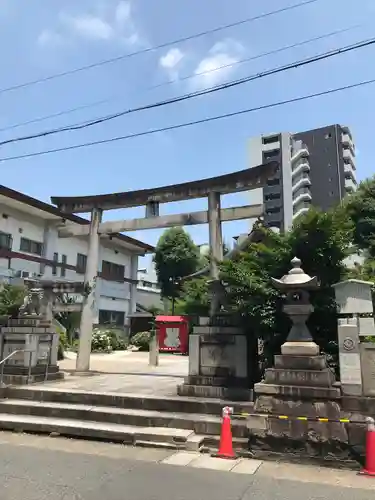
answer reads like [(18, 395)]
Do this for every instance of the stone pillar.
[(45, 249), (215, 235), (133, 286), (89, 302)]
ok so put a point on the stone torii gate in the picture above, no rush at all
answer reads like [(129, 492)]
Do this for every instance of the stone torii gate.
[(212, 189)]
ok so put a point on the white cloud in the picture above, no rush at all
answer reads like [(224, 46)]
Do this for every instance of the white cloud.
[(171, 62), (49, 38), (218, 64), (102, 24), (171, 59), (90, 27), (123, 12)]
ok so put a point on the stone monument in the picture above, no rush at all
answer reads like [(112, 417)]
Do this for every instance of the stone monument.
[(218, 360), (301, 379), (355, 323), (30, 342)]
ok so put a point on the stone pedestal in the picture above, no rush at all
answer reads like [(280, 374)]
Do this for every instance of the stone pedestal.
[(300, 386), (37, 343), (300, 389), (218, 361)]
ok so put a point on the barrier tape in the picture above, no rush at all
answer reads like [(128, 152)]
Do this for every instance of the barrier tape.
[(305, 419)]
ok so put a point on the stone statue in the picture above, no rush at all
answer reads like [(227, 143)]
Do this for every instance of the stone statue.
[(32, 304), (218, 296)]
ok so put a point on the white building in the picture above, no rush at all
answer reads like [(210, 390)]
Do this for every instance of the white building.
[(148, 288), (30, 246)]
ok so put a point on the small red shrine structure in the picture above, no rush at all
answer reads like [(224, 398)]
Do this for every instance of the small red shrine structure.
[(173, 333)]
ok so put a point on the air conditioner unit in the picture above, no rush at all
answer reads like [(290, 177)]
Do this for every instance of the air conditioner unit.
[(22, 274)]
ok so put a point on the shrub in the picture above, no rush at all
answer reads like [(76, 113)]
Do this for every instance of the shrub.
[(117, 343), (141, 340), (11, 299), (101, 341), (63, 344)]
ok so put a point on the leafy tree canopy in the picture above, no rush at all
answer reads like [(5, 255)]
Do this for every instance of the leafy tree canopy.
[(11, 299), (360, 207), (176, 256)]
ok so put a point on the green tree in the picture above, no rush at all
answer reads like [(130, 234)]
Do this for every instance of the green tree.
[(360, 208), (321, 241), (176, 256), (69, 320), (194, 298), (11, 299)]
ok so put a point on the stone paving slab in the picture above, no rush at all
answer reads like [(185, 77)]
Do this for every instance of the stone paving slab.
[(125, 372), (181, 458), (208, 462)]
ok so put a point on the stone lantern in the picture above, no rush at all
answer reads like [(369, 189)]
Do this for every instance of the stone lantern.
[(296, 286), (300, 374)]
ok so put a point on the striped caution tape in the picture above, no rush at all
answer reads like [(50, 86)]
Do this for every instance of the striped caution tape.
[(306, 419)]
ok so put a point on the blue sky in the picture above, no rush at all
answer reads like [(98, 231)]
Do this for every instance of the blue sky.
[(42, 37)]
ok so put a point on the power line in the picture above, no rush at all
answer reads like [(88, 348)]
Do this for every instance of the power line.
[(176, 80), (189, 124), (230, 84), (156, 47)]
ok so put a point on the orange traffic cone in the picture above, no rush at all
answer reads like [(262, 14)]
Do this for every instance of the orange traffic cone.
[(226, 443), (369, 469)]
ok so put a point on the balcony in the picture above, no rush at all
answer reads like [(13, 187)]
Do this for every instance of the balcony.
[(303, 181), (348, 156), (350, 185), (303, 196), (301, 166), (349, 172), (297, 154), (301, 211), (348, 142)]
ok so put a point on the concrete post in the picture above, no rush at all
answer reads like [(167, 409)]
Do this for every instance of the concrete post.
[(84, 350), (215, 235), (133, 286), (153, 357), (45, 247)]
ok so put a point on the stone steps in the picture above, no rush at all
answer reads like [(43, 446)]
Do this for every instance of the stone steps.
[(141, 420), (120, 400), (198, 423), (130, 435)]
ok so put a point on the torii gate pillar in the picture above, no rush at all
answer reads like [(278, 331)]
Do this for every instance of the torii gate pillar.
[(89, 303)]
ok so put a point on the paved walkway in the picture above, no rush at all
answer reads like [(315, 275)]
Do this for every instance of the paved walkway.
[(42, 468), (126, 372)]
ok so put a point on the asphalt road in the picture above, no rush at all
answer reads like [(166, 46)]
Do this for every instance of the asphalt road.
[(31, 469)]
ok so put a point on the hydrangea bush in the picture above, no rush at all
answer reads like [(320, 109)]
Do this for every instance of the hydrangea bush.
[(101, 341)]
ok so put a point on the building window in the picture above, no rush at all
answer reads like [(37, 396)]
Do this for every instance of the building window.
[(55, 261), (111, 317), (63, 266), (112, 272), (30, 246), (328, 136), (272, 196), (275, 210), (271, 154), (81, 263), (270, 139), (273, 182), (6, 241)]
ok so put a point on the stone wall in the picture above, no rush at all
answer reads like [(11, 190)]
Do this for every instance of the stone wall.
[(343, 443)]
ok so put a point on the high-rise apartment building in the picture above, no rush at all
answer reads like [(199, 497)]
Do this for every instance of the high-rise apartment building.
[(317, 168)]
